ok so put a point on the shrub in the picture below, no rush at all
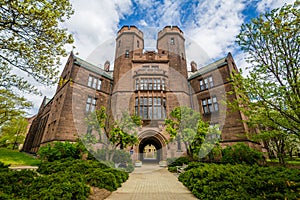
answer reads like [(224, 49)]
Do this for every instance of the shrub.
[(60, 179), (60, 150), (14, 183), (59, 185), (70, 166), (172, 169), (179, 162), (3, 167), (241, 153), (211, 181)]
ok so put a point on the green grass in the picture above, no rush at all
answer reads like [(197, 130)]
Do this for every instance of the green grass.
[(16, 158), (293, 161)]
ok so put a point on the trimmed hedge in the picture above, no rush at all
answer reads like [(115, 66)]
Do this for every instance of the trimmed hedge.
[(62, 179), (212, 181)]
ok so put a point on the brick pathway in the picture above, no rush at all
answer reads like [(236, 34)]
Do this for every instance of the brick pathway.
[(151, 182)]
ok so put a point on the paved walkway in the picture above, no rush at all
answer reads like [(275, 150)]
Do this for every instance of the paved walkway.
[(151, 182)]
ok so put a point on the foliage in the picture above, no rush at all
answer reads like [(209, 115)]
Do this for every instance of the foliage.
[(59, 185), (13, 133), (240, 153), (96, 173), (16, 158), (179, 162), (185, 125), (119, 157), (111, 135), (61, 179), (211, 181), (3, 167), (11, 105), (60, 150), (271, 42), (32, 42), (28, 185)]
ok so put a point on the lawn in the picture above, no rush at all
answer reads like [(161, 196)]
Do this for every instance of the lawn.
[(16, 158), (291, 161)]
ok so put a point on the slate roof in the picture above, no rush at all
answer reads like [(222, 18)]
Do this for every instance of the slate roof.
[(92, 68), (209, 67)]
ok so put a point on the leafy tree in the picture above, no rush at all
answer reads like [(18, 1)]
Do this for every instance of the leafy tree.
[(186, 125), (110, 134), (273, 45), (32, 42), (11, 105), (13, 133), (269, 96)]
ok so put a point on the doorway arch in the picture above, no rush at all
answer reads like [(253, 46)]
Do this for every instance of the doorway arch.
[(151, 140)]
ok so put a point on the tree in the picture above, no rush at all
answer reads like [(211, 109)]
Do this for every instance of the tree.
[(32, 42), (111, 135), (273, 44), (11, 106), (185, 125), (13, 133), (269, 96)]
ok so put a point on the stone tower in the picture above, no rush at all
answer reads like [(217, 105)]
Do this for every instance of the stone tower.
[(129, 41), (170, 41)]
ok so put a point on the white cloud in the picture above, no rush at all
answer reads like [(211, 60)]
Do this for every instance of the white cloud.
[(94, 22), (215, 25), (143, 23), (93, 25), (266, 5)]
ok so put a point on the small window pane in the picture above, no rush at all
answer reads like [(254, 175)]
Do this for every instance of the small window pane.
[(216, 107), (94, 83), (89, 100), (99, 84), (90, 81), (214, 99)]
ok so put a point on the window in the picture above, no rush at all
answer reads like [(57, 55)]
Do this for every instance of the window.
[(215, 103), (137, 84), (163, 84), (206, 83), (137, 44), (99, 84), (150, 108), (210, 105), (90, 104), (119, 43), (90, 81), (127, 54), (150, 84), (94, 82), (172, 41), (210, 81)]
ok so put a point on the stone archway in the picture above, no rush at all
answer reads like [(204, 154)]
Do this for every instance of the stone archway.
[(157, 142)]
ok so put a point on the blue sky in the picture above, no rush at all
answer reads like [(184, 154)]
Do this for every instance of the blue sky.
[(210, 27)]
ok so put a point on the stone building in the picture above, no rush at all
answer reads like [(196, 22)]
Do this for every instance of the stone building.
[(146, 83)]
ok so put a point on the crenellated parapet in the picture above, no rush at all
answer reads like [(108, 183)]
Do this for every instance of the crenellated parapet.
[(130, 29)]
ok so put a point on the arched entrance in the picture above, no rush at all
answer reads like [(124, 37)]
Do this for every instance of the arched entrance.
[(151, 148)]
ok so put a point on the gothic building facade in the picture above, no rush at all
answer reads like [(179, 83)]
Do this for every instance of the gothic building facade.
[(145, 83)]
